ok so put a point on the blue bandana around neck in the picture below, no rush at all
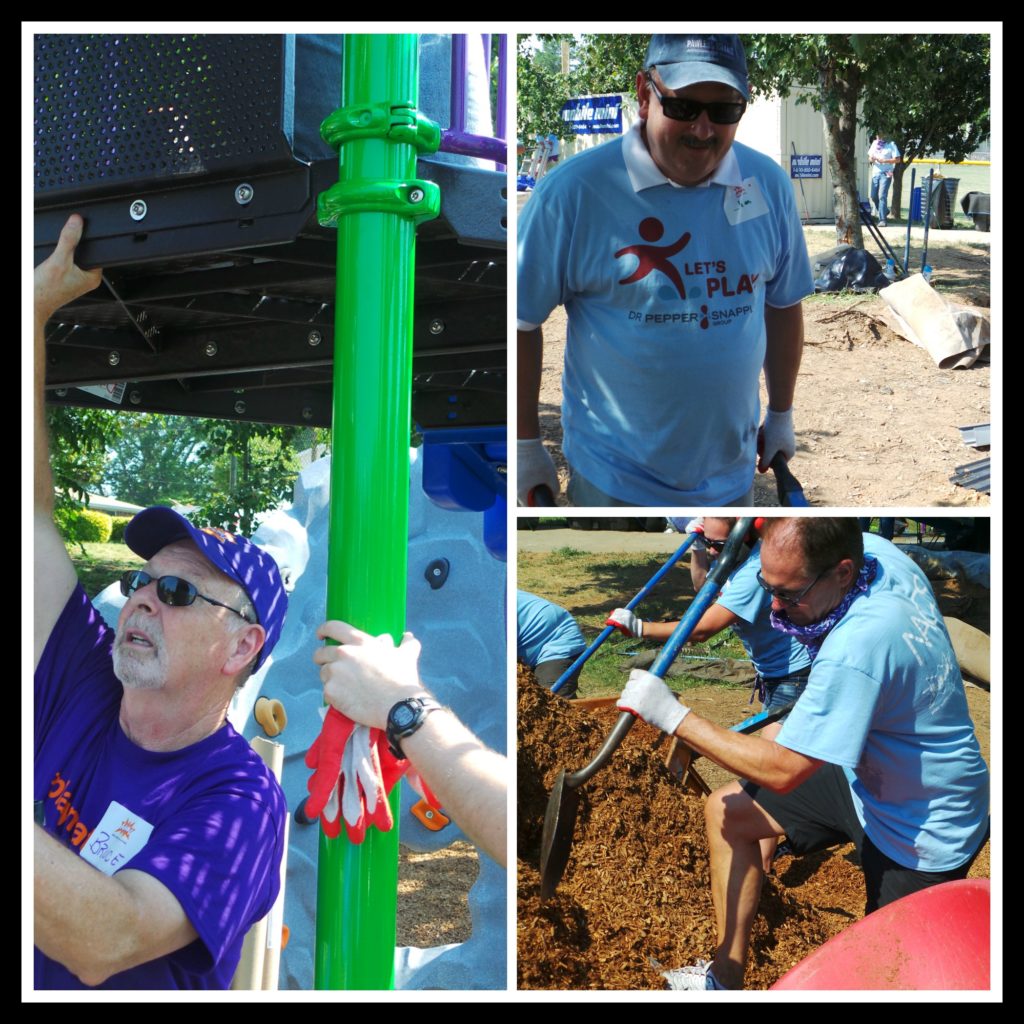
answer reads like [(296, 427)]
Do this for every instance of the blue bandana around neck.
[(813, 635)]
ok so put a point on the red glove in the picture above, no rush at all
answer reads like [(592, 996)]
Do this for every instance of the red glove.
[(325, 758), (353, 773)]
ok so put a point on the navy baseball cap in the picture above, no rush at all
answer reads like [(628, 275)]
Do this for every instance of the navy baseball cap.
[(236, 556), (687, 60)]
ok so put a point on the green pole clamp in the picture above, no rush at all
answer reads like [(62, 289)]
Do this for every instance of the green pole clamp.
[(396, 122), (414, 199)]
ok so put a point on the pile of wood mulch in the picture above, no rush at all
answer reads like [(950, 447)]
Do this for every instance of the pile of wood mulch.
[(635, 898)]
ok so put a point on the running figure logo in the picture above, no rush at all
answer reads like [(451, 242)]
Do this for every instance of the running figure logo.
[(655, 257)]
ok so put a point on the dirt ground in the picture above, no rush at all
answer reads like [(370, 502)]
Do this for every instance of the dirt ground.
[(433, 889), (876, 421), (635, 897)]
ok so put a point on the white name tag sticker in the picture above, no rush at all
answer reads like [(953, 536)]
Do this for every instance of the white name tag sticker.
[(744, 202), (116, 839)]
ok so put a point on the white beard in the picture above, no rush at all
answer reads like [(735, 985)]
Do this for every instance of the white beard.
[(136, 673)]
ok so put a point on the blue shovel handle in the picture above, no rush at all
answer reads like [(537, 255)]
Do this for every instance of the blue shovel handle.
[(608, 630)]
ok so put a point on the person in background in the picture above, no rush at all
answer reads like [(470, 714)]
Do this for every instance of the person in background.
[(882, 155), (548, 640)]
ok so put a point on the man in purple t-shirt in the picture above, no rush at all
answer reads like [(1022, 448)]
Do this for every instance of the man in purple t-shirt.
[(159, 833)]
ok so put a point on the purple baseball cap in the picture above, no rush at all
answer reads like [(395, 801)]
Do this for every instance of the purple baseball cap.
[(687, 60), (234, 555)]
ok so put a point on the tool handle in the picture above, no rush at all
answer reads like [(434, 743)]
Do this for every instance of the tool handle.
[(724, 565), (608, 630), (622, 726), (788, 487), (720, 572)]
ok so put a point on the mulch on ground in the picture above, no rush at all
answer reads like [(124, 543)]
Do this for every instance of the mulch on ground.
[(635, 898)]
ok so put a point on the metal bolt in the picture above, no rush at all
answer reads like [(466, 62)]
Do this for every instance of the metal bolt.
[(307, 412), (239, 406), (135, 397), (314, 338), (416, 195), (437, 572), (436, 326), (211, 349), (138, 209), (114, 358), (244, 194), (61, 392)]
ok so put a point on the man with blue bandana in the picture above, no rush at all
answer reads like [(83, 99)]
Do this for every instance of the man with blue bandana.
[(879, 750), (679, 257)]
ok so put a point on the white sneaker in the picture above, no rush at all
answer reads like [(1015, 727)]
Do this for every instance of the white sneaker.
[(699, 977)]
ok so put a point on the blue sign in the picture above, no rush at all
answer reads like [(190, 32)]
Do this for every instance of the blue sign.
[(594, 115), (805, 165)]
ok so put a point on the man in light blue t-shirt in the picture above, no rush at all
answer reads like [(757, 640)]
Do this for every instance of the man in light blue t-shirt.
[(679, 257), (548, 640), (879, 750)]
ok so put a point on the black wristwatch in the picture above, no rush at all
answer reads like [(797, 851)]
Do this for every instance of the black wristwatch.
[(405, 718)]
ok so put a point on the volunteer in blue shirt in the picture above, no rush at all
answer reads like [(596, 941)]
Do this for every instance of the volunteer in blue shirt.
[(548, 641), (679, 256), (879, 750), (883, 156)]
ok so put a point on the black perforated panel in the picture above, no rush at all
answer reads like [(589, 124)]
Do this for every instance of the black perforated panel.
[(140, 109)]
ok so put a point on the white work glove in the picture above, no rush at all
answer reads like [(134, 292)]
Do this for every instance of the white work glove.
[(776, 435), (647, 696), (533, 469), (626, 622)]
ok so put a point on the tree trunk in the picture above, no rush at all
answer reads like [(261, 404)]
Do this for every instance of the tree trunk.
[(840, 144), (896, 195)]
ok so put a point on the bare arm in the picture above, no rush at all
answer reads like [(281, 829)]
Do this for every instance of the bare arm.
[(469, 779), (762, 761), (529, 363), (712, 622), (366, 676), (785, 333), (98, 925), (57, 282)]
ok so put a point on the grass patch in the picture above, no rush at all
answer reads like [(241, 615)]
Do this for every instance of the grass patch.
[(101, 564), (590, 585), (566, 553)]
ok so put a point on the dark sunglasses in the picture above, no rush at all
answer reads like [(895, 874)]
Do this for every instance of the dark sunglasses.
[(171, 590), (716, 545), (788, 599), (680, 109)]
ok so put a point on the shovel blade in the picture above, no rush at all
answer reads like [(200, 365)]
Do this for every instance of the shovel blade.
[(556, 839)]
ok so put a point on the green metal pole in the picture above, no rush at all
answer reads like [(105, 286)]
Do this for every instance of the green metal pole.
[(376, 205)]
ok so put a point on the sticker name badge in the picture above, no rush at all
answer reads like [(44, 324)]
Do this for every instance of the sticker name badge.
[(744, 202), (116, 839)]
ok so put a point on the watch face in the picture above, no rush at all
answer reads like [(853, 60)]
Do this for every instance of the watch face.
[(403, 716)]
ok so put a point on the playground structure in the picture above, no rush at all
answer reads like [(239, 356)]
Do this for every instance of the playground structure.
[(210, 201)]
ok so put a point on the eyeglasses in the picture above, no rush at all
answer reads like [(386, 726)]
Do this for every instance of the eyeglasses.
[(172, 590), (680, 109), (787, 599), (715, 545)]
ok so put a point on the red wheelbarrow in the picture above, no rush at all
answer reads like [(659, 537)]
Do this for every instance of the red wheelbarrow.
[(936, 939)]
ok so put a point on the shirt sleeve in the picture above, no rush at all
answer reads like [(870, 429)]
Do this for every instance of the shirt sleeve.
[(544, 237), (75, 663), (792, 280), (742, 595), (832, 719)]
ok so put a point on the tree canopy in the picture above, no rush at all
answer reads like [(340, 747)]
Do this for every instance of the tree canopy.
[(930, 93), (233, 471)]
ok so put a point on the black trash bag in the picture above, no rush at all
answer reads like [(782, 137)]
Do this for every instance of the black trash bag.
[(976, 206), (852, 270)]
